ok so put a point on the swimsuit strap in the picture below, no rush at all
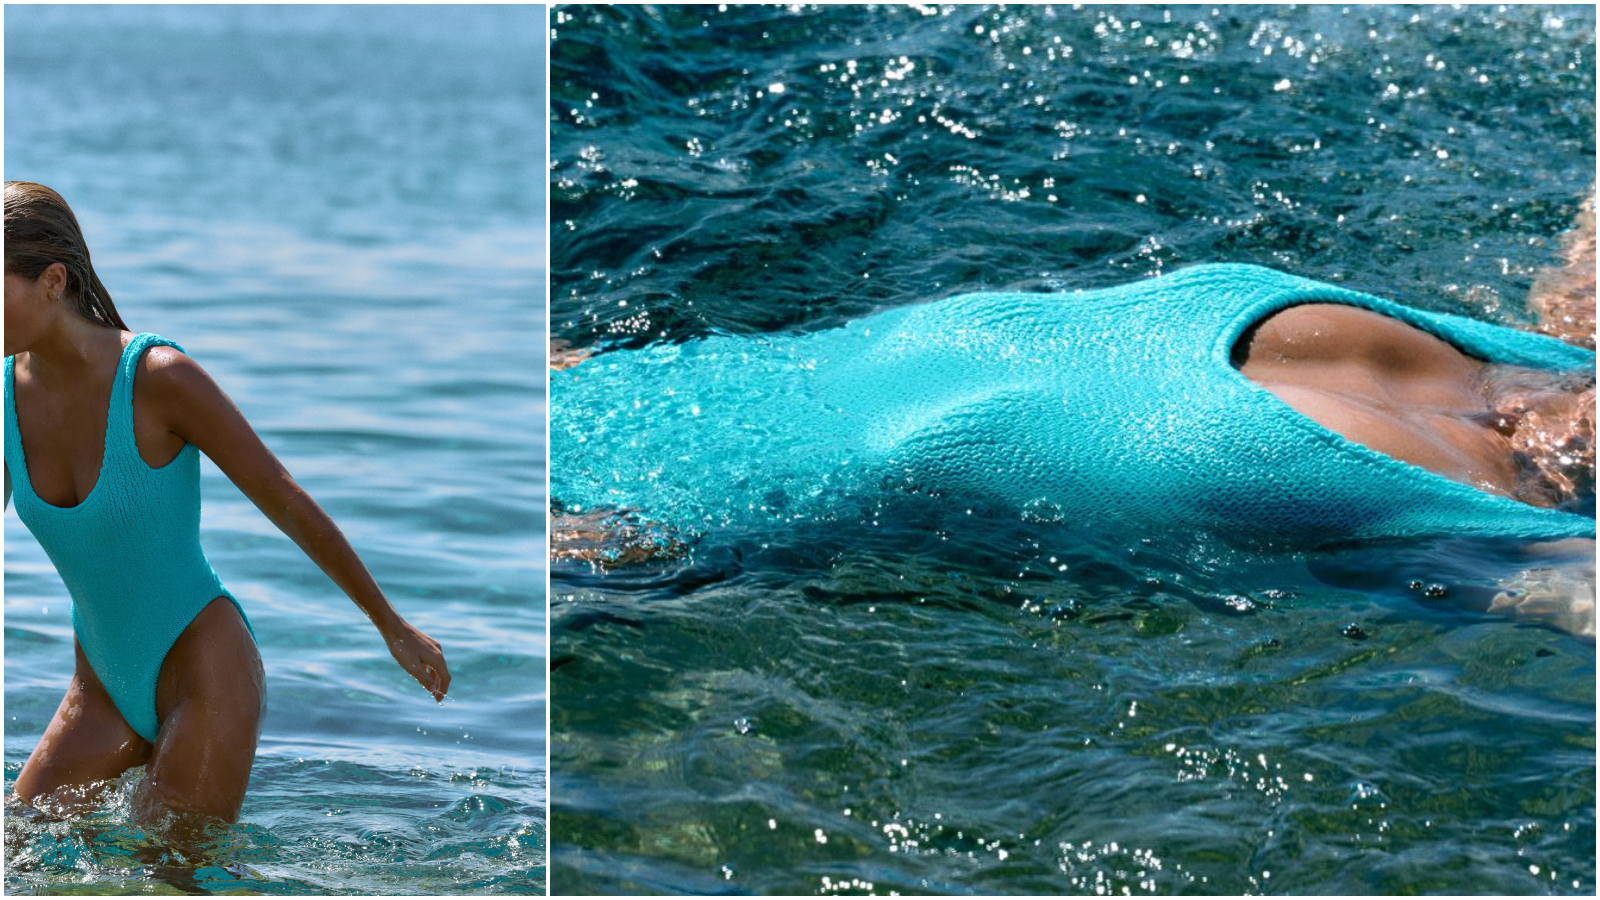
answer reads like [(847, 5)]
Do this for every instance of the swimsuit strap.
[(14, 461), (1495, 343), (119, 424)]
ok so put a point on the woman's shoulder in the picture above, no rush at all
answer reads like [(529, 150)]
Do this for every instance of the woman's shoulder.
[(164, 369)]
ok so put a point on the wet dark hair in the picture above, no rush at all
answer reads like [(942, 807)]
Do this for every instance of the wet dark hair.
[(40, 230)]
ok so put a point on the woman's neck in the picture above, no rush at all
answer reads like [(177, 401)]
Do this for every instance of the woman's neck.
[(71, 349)]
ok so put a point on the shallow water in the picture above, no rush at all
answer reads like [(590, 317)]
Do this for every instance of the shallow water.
[(912, 703), (334, 210)]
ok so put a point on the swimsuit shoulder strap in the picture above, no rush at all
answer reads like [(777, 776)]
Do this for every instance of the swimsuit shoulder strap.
[(119, 426), (1512, 346), (13, 437), (1251, 293)]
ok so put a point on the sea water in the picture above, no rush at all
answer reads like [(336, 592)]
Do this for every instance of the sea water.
[(337, 211), (919, 703)]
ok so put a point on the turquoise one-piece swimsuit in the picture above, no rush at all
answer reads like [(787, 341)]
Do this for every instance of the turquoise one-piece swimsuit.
[(129, 553), (1115, 409)]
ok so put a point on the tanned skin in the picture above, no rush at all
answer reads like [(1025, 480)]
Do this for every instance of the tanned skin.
[(210, 694), (1408, 394), (1402, 392)]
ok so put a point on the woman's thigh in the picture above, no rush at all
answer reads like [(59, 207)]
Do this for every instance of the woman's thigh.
[(210, 697), (87, 742)]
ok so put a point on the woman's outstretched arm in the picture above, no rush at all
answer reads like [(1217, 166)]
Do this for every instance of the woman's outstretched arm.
[(195, 409)]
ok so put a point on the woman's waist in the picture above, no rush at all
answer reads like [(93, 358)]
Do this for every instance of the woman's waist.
[(140, 614), (103, 572)]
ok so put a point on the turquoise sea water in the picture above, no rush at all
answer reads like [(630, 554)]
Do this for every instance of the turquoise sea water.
[(911, 703), (335, 210)]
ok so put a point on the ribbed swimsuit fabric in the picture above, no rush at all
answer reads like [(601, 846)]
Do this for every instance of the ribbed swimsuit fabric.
[(1116, 409), (129, 553)]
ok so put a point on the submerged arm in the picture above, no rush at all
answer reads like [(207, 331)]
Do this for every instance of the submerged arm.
[(1559, 592), (195, 409), (1562, 299)]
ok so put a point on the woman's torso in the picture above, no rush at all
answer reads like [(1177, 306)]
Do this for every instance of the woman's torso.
[(129, 549), (1118, 408)]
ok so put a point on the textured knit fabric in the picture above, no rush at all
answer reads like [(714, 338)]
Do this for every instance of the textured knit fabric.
[(1117, 409), (129, 553)]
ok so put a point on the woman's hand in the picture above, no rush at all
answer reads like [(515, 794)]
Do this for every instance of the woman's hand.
[(420, 655), (564, 356), (1560, 593)]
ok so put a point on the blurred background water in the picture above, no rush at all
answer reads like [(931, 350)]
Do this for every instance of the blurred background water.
[(337, 211), (914, 704)]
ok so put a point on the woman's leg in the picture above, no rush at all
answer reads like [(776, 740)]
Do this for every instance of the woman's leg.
[(87, 743), (210, 697)]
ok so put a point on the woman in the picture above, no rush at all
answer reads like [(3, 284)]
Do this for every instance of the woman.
[(1232, 399), (103, 432)]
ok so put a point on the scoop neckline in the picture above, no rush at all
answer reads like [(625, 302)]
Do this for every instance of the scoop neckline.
[(105, 453)]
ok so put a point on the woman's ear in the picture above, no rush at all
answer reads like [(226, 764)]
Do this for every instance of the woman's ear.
[(54, 280)]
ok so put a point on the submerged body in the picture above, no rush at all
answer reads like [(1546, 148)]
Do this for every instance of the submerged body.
[(1122, 409)]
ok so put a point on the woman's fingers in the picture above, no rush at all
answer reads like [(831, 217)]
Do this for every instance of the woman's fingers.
[(444, 672), (428, 677), (437, 679), (441, 674)]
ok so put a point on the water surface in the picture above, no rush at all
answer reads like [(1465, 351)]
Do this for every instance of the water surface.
[(912, 703)]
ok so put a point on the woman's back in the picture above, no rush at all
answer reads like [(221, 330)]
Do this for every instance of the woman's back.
[(1120, 408)]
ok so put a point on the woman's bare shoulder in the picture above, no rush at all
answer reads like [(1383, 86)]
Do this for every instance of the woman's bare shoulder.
[(169, 375), (1331, 333)]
